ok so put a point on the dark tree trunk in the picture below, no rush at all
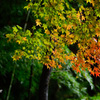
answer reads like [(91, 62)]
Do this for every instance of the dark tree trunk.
[(44, 83)]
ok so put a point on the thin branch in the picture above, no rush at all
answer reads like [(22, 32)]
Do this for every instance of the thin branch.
[(27, 18), (10, 86)]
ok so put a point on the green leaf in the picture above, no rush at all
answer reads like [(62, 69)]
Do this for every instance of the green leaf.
[(15, 29)]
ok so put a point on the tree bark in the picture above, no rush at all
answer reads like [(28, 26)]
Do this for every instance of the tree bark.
[(44, 83)]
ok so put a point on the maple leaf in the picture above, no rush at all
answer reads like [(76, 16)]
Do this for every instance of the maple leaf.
[(98, 34), (47, 31), (48, 67), (24, 38), (97, 74), (78, 70), (38, 23), (62, 36), (46, 18), (14, 59), (95, 69), (78, 15), (44, 26), (18, 41), (92, 73), (83, 18), (69, 27), (59, 66)]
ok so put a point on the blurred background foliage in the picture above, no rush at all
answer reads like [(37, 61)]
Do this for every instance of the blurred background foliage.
[(65, 84), (22, 71)]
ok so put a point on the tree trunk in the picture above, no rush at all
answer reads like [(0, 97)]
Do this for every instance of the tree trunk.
[(44, 83)]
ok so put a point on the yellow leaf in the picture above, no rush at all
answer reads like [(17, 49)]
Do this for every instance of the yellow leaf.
[(78, 15), (38, 23), (71, 36), (27, 7), (23, 48), (18, 41), (48, 67), (14, 59), (83, 18), (67, 32), (47, 31)]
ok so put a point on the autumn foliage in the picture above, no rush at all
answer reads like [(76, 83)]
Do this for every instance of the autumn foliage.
[(59, 25)]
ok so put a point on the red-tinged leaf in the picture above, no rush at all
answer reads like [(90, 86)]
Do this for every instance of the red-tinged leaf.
[(95, 69), (92, 73), (97, 74)]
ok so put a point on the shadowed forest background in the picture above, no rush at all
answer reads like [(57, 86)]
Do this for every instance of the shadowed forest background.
[(65, 84)]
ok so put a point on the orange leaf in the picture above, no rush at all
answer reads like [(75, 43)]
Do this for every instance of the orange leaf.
[(69, 27), (59, 66), (24, 38), (78, 70)]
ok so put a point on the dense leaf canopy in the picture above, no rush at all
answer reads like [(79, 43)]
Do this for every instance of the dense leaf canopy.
[(59, 25)]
